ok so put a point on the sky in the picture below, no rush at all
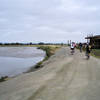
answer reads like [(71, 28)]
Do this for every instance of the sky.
[(48, 20)]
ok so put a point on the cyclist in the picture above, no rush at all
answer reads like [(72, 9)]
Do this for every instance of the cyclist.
[(72, 47), (88, 50)]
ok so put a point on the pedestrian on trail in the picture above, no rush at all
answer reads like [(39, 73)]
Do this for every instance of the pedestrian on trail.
[(80, 46), (88, 50)]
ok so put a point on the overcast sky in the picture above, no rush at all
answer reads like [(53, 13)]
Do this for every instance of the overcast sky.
[(48, 20)]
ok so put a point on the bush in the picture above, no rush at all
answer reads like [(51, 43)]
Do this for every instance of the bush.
[(2, 79)]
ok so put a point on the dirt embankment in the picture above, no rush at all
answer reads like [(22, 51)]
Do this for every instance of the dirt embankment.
[(63, 77)]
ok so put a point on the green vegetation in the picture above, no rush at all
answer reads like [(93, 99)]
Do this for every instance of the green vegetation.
[(2, 79), (50, 50), (47, 49), (95, 52), (29, 44)]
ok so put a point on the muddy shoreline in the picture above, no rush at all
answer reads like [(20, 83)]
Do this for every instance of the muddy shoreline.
[(49, 50), (15, 56)]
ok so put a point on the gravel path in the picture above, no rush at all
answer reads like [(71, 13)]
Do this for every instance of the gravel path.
[(63, 77)]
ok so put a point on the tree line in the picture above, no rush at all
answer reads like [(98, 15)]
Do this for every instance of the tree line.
[(40, 43)]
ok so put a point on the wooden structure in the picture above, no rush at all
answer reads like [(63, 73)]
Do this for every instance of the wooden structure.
[(94, 41)]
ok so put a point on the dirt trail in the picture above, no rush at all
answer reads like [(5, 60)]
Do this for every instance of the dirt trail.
[(63, 77)]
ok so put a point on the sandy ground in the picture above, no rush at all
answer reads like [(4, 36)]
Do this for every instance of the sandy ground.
[(63, 77)]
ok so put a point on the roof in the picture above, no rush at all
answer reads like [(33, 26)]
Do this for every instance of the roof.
[(93, 37)]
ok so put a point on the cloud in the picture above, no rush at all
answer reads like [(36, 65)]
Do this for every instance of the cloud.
[(48, 20)]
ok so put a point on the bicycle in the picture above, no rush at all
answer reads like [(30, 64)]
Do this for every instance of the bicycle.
[(87, 55), (72, 51)]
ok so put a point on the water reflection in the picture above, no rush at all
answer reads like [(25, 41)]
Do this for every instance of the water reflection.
[(15, 60)]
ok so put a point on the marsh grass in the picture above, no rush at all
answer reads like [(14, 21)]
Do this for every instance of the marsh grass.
[(4, 78), (95, 52), (50, 50)]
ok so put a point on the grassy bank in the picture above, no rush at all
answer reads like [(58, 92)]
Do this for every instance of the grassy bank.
[(50, 50), (2, 79), (95, 53)]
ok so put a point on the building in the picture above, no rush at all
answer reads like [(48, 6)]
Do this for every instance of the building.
[(94, 41)]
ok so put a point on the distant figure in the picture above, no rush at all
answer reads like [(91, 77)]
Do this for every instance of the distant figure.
[(88, 50), (72, 47), (80, 46)]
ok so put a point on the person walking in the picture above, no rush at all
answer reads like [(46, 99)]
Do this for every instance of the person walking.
[(80, 46), (88, 50)]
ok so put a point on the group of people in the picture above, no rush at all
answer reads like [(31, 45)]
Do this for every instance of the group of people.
[(86, 47)]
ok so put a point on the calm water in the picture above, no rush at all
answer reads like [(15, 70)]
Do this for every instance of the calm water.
[(15, 60)]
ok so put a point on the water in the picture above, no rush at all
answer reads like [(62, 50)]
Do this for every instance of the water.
[(16, 60)]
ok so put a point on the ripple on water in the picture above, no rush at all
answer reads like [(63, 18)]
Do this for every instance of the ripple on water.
[(16, 60)]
